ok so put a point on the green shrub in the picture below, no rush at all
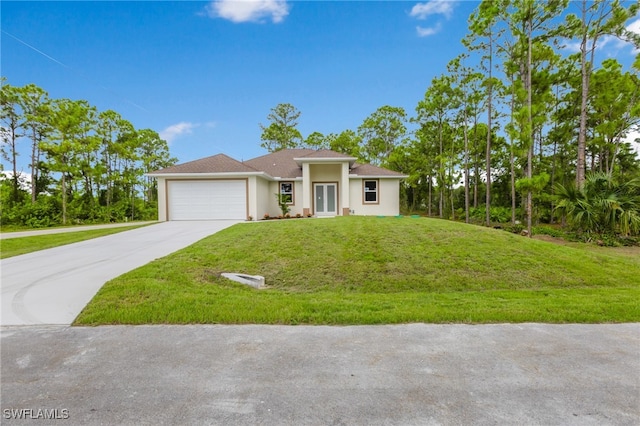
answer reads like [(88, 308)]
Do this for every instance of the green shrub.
[(283, 201), (602, 206), (497, 214), (43, 213), (515, 229), (547, 230)]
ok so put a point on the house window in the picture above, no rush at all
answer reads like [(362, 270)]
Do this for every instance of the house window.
[(370, 191), (286, 191)]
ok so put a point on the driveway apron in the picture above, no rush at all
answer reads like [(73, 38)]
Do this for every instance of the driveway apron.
[(52, 286)]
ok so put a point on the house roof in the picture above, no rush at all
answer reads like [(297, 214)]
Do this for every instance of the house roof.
[(280, 164), (327, 153), (368, 170), (219, 163)]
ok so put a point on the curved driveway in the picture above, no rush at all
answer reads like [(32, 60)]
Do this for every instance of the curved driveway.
[(52, 286)]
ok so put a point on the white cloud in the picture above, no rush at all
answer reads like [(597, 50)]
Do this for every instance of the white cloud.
[(574, 46), (433, 7), (632, 136), (634, 27), (175, 130), (571, 46), (248, 10), (426, 32), (24, 179), (615, 43)]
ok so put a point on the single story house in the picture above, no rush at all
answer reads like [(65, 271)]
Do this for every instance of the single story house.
[(319, 183)]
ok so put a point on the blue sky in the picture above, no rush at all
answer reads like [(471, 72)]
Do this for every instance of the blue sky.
[(205, 74)]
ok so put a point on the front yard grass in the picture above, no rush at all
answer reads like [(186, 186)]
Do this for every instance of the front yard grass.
[(364, 270), (22, 245)]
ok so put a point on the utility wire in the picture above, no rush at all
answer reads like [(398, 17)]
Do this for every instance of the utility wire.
[(71, 69)]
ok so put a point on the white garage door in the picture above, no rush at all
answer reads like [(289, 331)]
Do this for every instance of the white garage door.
[(207, 199)]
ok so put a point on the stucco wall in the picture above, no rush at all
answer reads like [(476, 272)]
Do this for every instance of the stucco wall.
[(262, 198), (296, 208), (388, 197), (162, 200), (272, 207), (325, 172)]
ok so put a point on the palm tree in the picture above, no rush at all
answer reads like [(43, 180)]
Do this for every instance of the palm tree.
[(602, 205)]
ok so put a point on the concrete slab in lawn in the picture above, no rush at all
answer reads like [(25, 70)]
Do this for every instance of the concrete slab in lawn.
[(417, 374), (52, 286)]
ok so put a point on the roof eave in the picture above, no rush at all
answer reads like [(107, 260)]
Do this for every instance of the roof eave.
[(285, 179), (378, 176), (209, 175), (334, 160)]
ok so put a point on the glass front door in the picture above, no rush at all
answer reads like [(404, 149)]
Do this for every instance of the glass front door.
[(325, 199)]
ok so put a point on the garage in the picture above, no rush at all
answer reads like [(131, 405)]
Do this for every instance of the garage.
[(207, 199)]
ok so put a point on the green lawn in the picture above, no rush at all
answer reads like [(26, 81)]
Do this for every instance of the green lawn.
[(22, 245), (364, 270)]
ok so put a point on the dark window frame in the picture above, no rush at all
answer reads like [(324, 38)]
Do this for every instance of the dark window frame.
[(291, 194), (368, 191)]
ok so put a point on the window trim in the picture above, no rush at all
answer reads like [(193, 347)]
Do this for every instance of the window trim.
[(365, 191), (293, 191)]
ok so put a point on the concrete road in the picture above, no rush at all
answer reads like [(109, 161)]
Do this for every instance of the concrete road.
[(52, 286), (523, 374)]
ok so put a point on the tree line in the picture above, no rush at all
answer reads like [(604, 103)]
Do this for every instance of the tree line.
[(513, 130), (83, 165)]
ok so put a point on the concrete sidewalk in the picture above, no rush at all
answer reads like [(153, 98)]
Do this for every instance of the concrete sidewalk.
[(36, 232), (417, 374)]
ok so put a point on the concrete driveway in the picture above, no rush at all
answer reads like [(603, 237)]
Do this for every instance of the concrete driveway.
[(416, 374), (52, 286)]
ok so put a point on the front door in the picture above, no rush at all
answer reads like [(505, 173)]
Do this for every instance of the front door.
[(325, 199)]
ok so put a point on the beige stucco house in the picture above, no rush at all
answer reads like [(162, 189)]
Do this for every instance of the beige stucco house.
[(319, 183)]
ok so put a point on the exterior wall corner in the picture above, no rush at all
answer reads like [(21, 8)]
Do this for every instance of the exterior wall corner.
[(163, 207)]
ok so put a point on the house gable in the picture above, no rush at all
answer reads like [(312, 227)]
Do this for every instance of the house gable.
[(219, 163), (369, 170)]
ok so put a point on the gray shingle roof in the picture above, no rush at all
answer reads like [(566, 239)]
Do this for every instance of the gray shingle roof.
[(279, 164), (326, 153), (365, 170), (215, 164)]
